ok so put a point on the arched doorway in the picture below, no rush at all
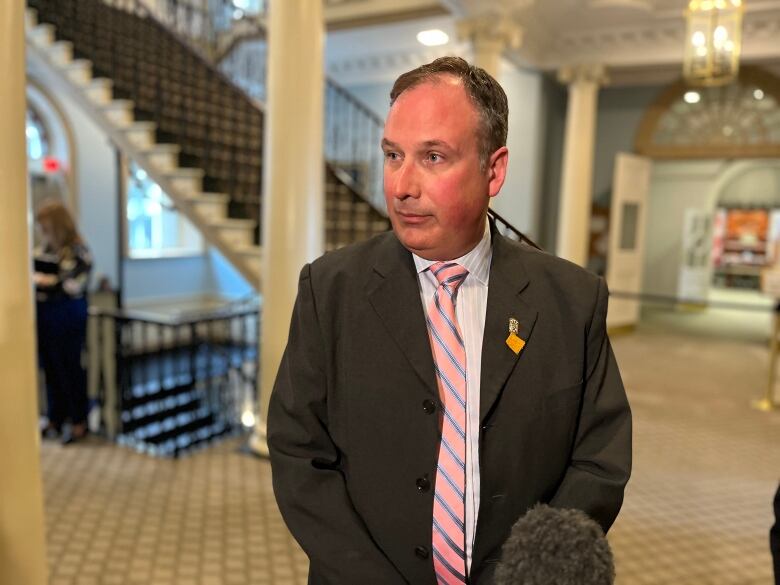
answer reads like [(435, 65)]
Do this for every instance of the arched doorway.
[(50, 150), (715, 187)]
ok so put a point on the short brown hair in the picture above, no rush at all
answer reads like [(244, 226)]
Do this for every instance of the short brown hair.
[(63, 227), (485, 92)]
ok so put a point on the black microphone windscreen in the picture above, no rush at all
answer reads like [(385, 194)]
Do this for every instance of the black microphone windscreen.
[(549, 546)]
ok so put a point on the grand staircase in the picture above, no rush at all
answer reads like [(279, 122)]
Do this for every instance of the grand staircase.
[(195, 133), (168, 387)]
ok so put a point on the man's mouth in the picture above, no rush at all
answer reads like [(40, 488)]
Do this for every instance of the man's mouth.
[(412, 218)]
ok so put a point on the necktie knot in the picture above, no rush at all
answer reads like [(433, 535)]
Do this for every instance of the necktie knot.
[(449, 274)]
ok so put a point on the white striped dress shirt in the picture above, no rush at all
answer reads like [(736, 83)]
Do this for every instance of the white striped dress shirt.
[(470, 309)]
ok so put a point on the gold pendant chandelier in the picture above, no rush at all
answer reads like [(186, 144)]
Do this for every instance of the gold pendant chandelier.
[(713, 41)]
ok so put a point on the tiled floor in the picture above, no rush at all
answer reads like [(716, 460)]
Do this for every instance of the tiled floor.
[(699, 505), (697, 510), (116, 517)]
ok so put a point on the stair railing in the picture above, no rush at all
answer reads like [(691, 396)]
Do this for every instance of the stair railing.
[(352, 130), (210, 356)]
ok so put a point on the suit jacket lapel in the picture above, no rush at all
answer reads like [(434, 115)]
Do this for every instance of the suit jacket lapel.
[(394, 292), (507, 281)]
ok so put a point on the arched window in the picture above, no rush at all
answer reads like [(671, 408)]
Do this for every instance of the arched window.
[(739, 120), (37, 136), (154, 227)]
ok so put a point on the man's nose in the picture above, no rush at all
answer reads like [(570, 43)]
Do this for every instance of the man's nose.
[(406, 181)]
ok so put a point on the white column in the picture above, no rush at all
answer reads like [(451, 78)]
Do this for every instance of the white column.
[(22, 552), (577, 174), (489, 37), (293, 181)]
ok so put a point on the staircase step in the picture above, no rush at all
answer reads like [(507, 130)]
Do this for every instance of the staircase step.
[(210, 206), (238, 233), (163, 156), (79, 71), (61, 53), (100, 91), (189, 440), (139, 422), (120, 112), (141, 134), (186, 181), (42, 35), (141, 399), (250, 251), (186, 422)]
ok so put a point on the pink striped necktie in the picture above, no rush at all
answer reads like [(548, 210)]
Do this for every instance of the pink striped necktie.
[(449, 357)]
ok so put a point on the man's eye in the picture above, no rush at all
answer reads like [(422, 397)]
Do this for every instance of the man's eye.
[(434, 157), (391, 155)]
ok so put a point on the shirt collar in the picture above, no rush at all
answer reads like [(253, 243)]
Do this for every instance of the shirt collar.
[(477, 262)]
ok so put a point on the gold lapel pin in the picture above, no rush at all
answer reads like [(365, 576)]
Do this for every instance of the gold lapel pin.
[(515, 343)]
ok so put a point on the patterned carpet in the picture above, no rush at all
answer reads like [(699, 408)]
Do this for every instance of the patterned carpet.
[(697, 510), (699, 505)]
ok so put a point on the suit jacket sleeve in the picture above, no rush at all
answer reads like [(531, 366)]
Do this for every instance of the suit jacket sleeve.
[(601, 460), (308, 483)]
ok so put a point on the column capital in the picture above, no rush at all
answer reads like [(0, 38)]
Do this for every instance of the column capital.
[(583, 73), (488, 29)]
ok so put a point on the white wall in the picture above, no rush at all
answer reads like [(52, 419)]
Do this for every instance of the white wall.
[(376, 96), (704, 185), (553, 113), (520, 199), (755, 182), (674, 187), (161, 278), (620, 111), (226, 279)]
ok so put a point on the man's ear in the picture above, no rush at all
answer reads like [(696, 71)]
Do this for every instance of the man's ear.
[(496, 170)]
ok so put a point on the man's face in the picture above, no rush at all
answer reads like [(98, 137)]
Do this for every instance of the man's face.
[(436, 192)]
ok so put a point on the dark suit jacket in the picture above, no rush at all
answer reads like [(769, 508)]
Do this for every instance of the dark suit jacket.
[(351, 433), (774, 537)]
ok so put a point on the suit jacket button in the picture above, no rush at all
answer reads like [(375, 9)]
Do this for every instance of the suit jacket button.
[(421, 552), (423, 484), (429, 406)]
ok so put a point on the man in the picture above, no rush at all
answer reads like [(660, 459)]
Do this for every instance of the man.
[(440, 380)]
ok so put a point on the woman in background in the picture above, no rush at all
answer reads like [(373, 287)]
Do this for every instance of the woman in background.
[(62, 267)]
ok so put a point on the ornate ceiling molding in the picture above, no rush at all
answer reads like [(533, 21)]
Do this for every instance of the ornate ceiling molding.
[(583, 73), (639, 41), (384, 68), (618, 33), (344, 14), (504, 32)]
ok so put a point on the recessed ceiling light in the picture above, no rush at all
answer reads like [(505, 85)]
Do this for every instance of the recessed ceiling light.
[(758, 94), (692, 97), (433, 37)]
